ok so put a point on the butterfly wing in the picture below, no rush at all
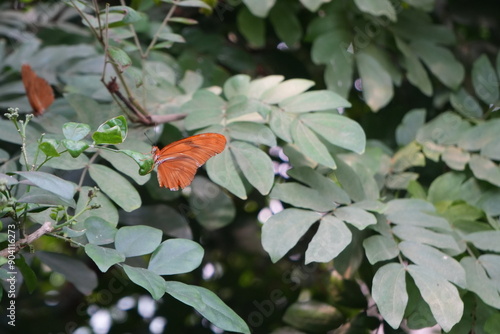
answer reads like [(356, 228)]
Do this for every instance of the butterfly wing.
[(178, 162), (40, 94)]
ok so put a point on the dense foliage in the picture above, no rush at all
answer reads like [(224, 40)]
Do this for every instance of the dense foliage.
[(359, 189)]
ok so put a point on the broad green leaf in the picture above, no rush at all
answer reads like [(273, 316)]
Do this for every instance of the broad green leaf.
[(150, 281), (103, 257), (485, 240), (331, 47), (313, 101), (259, 8), (339, 71), (296, 158), (221, 170), (477, 137), (113, 131), (251, 132), (466, 104), (389, 293), (99, 231), (286, 24), (75, 131), (350, 181), (416, 73), (145, 162), (49, 147), (204, 109), (255, 165), (490, 204), (338, 130), (286, 89), (303, 197), (208, 305), (66, 162), (310, 145), (357, 217), (210, 205), (283, 230), (441, 62), (129, 14), (281, 122), (137, 240), (484, 80), (455, 157), (253, 28), (325, 317), (479, 283), (62, 188), (446, 187), (259, 86), (104, 207), (176, 256), (123, 164), (414, 212), (485, 169), (29, 277), (119, 56), (41, 196), (407, 129), (434, 260), (377, 8), (236, 85), (407, 157), (380, 248), (441, 296), (116, 187), (491, 150), (83, 278), (425, 236), (75, 148), (332, 237), (491, 263), (446, 129), (492, 325), (376, 81)]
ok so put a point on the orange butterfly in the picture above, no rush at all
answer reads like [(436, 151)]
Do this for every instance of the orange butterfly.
[(178, 162), (40, 94)]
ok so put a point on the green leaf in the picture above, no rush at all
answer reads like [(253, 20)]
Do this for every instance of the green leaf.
[(338, 130), (332, 237), (485, 169), (434, 260), (75, 148), (191, 3), (286, 89), (303, 197), (75, 131), (130, 15), (425, 236), (446, 129), (455, 157), (446, 187), (331, 47), (480, 136), (313, 101), (66, 162), (204, 109), (176, 256), (105, 208), (62, 188), (416, 73), (351, 182), (49, 147), (255, 165), (380, 248), (407, 130), (258, 87), (357, 217), (150, 281), (251, 132), (29, 277), (83, 278), (377, 8), (122, 163), (313, 5), (103, 257), (286, 24), (466, 104), (99, 231), (116, 187), (259, 8), (137, 240), (210, 205), (441, 296), (283, 230), (441, 62), (252, 28), (492, 325), (221, 170), (484, 80), (236, 85), (119, 56), (389, 292), (414, 212), (479, 282), (310, 145), (113, 131), (491, 263), (485, 240), (281, 122), (376, 81), (41, 197), (208, 305), (145, 162)]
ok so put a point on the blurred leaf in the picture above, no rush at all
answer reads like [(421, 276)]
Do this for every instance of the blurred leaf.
[(281, 122), (455, 158), (446, 187), (49, 147), (389, 292), (150, 281), (123, 164), (176, 256), (251, 27), (99, 231), (41, 196), (255, 165), (103, 257), (208, 305), (484, 80), (479, 136), (407, 157), (377, 8), (66, 162), (62, 188), (339, 71), (312, 5), (310, 145), (221, 170), (130, 15), (332, 237), (479, 282), (119, 57), (446, 129), (283, 230), (75, 148), (407, 129), (286, 89), (441, 296), (285, 23), (259, 8), (137, 240), (210, 205), (312, 317), (380, 248), (29, 276), (357, 217), (376, 81), (416, 73), (236, 85), (313, 101), (116, 187), (75, 131), (258, 87), (415, 212), (303, 197), (251, 132), (485, 240), (113, 131), (74, 271), (485, 169), (204, 109), (425, 236), (189, 3), (466, 104)]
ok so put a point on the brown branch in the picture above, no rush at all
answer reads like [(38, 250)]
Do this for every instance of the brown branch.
[(20, 244), (160, 119)]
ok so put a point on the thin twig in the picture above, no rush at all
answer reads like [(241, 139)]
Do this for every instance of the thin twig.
[(20, 244)]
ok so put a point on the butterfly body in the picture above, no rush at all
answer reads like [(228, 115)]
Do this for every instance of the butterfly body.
[(178, 162)]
